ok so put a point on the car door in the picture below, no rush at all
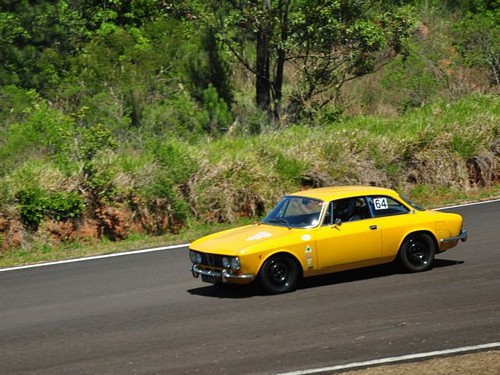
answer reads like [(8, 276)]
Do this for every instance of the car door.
[(393, 220), (349, 234)]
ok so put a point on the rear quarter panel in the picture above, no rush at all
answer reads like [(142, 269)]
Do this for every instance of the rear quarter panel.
[(396, 228), (438, 224), (447, 225)]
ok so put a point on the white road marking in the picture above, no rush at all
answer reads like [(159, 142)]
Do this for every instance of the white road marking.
[(134, 252), (383, 361), (467, 205)]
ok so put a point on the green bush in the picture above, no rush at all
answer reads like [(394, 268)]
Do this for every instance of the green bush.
[(175, 159), (44, 133), (16, 104), (61, 206), (34, 205), (31, 205), (163, 189), (175, 117), (220, 117)]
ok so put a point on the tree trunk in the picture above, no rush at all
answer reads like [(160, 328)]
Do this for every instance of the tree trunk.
[(283, 10), (263, 81)]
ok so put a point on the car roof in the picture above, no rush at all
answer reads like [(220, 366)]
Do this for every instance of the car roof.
[(339, 192)]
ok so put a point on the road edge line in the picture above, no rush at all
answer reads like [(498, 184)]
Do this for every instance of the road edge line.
[(466, 205), (96, 257), (390, 360)]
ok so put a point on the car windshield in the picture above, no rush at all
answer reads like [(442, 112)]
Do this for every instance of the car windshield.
[(295, 212)]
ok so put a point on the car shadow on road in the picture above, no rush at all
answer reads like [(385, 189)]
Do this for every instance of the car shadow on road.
[(373, 272), (438, 263), (383, 270), (227, 291), (253, 290)]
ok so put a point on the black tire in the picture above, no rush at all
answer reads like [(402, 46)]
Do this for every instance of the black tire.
[(417, 252), (279, 274)]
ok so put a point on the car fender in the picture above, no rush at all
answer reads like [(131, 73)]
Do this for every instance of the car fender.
[(421, 230), (291, 254)]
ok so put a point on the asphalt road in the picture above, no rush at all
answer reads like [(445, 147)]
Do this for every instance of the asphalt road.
[(145, 314)]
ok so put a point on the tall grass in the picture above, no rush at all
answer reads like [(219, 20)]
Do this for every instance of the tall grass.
[(429, 146)]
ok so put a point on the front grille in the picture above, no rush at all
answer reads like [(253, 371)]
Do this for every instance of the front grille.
[(211, 260)]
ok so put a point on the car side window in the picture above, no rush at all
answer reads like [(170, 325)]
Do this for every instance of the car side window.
[(386, 206), (328, 220), (348, 209)]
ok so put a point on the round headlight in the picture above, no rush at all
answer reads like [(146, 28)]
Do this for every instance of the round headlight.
[(198, 258), (192, 256), (235, 263), (226, 262)]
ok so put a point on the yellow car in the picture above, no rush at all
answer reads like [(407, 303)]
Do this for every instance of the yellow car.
[(326, 230)]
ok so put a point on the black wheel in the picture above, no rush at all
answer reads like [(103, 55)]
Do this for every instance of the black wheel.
[(417, 252), (279, 274)]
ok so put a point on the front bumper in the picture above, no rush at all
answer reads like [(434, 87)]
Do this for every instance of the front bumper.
[(216, 276), (462, 237)]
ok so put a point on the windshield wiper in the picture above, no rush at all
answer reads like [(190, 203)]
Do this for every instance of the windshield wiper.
[(280, 220)]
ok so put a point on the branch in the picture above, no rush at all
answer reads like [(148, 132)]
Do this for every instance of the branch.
[(240, 58)]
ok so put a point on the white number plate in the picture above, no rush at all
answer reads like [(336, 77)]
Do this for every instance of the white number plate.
[(380, 203)]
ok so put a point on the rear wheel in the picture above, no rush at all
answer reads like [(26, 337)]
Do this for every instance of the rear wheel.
[(279, 274), (417, 252)]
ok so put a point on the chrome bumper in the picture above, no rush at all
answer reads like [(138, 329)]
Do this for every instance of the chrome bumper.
[(462, 237), (213, 276)]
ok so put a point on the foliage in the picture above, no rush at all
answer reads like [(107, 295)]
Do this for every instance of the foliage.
[(44, 132), (37, 39), (176, 117), (31, 207), (209, 68), (146, 115), (34, 204), (477, 38), (64, 205), (16, 103), (218, 112), (330, 43)]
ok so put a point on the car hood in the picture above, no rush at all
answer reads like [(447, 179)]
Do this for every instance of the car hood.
[(245, 239)]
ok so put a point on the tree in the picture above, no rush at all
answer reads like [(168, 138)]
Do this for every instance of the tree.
[(329, 42), (477, 35), (39, 38), (36, 37), (207, 66)]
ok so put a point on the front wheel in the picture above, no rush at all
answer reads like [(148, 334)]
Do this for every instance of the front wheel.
[(279, 274), (417, 252)]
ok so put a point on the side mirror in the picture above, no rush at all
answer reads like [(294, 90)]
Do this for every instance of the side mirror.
[(337, 223)]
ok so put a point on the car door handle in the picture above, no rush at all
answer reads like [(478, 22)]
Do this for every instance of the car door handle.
[(373, 227)]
